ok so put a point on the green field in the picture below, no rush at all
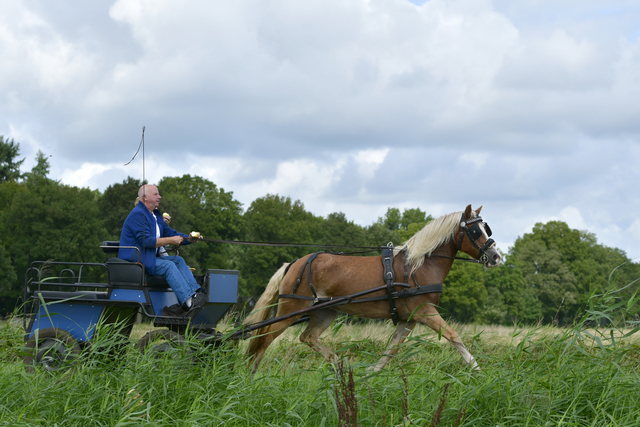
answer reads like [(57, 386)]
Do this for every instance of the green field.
[(535, 376)]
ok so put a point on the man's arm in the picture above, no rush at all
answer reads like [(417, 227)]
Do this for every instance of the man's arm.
[(173, 240), (167, 231)]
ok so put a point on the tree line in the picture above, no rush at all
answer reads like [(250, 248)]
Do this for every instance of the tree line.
[(547, 275)]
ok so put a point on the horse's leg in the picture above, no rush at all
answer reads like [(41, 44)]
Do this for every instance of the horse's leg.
[(433, 320), (266, 337), (319, 321), (402, 331)]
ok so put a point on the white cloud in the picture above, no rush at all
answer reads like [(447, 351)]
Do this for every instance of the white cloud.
[(369, 161), (529, 108), (571, 215), (632, 233), (85, 175)]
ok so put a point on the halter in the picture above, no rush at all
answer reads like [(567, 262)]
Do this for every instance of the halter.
[(473, 231)]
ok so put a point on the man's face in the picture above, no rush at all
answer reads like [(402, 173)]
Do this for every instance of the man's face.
[(152, 197)]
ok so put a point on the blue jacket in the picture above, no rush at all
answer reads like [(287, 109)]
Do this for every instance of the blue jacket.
[(139, 230)]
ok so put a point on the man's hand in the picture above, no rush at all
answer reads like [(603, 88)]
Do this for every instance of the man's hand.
[(194, 236), (174, 240)]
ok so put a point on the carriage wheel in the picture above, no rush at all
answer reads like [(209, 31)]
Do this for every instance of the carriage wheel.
[(52, 349), (161, 342)]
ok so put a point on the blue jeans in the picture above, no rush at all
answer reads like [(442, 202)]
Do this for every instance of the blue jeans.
[(177, 274)]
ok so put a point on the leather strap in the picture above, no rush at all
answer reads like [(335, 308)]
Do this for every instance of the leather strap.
[(405, 293), (307, 266), (390, 278)]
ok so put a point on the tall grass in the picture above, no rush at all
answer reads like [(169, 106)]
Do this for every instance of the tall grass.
[(538, 376)]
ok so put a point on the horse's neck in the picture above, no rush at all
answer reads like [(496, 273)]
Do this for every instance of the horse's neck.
[(435, 269)]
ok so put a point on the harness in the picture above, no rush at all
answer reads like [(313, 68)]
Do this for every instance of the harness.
[(389, 279), (472, 229)]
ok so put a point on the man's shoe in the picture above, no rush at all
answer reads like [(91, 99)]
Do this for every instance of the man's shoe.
[(199, 299), (174, 310)]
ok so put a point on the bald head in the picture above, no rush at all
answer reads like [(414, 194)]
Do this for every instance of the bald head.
[(150, 196)]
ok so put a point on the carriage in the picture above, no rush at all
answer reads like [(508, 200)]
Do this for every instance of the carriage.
[(66, 303), (64, 309)]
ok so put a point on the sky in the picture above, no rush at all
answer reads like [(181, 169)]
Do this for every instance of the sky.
[(529, 108)]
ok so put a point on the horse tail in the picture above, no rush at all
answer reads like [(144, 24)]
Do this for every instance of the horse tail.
[(262, 309)]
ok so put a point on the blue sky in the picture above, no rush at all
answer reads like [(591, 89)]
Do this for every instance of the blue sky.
[(529, 108)]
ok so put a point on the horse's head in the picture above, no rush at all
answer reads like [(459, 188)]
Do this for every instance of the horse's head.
[(475, 238)]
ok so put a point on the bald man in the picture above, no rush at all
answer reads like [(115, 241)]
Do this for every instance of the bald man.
[(145, 229)]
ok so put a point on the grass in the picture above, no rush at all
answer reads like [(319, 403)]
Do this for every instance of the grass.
[(536, 376)]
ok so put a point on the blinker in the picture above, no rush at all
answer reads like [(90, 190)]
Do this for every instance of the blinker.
[(476, 233)]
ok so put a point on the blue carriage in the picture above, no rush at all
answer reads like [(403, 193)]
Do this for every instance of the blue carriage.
[(67, 302)]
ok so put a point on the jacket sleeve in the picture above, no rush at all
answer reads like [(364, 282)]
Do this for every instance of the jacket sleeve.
[(142, 230)]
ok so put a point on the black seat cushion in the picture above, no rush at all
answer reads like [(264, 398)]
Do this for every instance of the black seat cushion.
[(129, 273)]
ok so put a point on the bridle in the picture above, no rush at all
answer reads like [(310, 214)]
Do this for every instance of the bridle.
[(472, 229)]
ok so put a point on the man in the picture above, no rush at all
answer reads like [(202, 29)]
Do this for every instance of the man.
[(145, 229)]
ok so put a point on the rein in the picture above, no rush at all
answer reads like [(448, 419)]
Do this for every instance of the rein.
[(459, 258), (470, 228), (297, 245)]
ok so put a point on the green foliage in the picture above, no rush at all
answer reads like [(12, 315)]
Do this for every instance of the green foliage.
[(42, 167), (116, 203), (577, 376), (197, 204), (510, 300), (402, 226), (46, 220), (380, 235), (9, 165), (336, 229), (464, 292), (550, 273), (413, 220), (275, 219), (8, 279)]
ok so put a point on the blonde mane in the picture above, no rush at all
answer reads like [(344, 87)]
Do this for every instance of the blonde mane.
[(434, 234)]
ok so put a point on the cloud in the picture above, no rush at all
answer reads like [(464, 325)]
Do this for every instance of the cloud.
[(528, 108)]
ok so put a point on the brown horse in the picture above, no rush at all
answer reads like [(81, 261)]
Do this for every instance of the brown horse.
[(424, 259)]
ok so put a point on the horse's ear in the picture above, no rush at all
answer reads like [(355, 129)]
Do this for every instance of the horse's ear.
[(467, 212), (478, 210)]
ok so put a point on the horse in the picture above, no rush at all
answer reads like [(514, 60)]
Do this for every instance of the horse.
[(424, 259)]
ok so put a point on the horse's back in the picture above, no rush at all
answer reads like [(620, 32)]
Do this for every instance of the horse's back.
[(334, 275)]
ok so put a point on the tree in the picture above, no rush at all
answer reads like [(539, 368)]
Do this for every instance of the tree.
[(275, 219), (198, 204), (562, 267), (404, 225), (510, 300), (50, 221), (9, 166), (413, 220), (464, 292), (336, 229), (115, 204), (42, 166), (8, 280)]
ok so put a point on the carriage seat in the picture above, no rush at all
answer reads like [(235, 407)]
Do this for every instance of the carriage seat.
[(129, 273)]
